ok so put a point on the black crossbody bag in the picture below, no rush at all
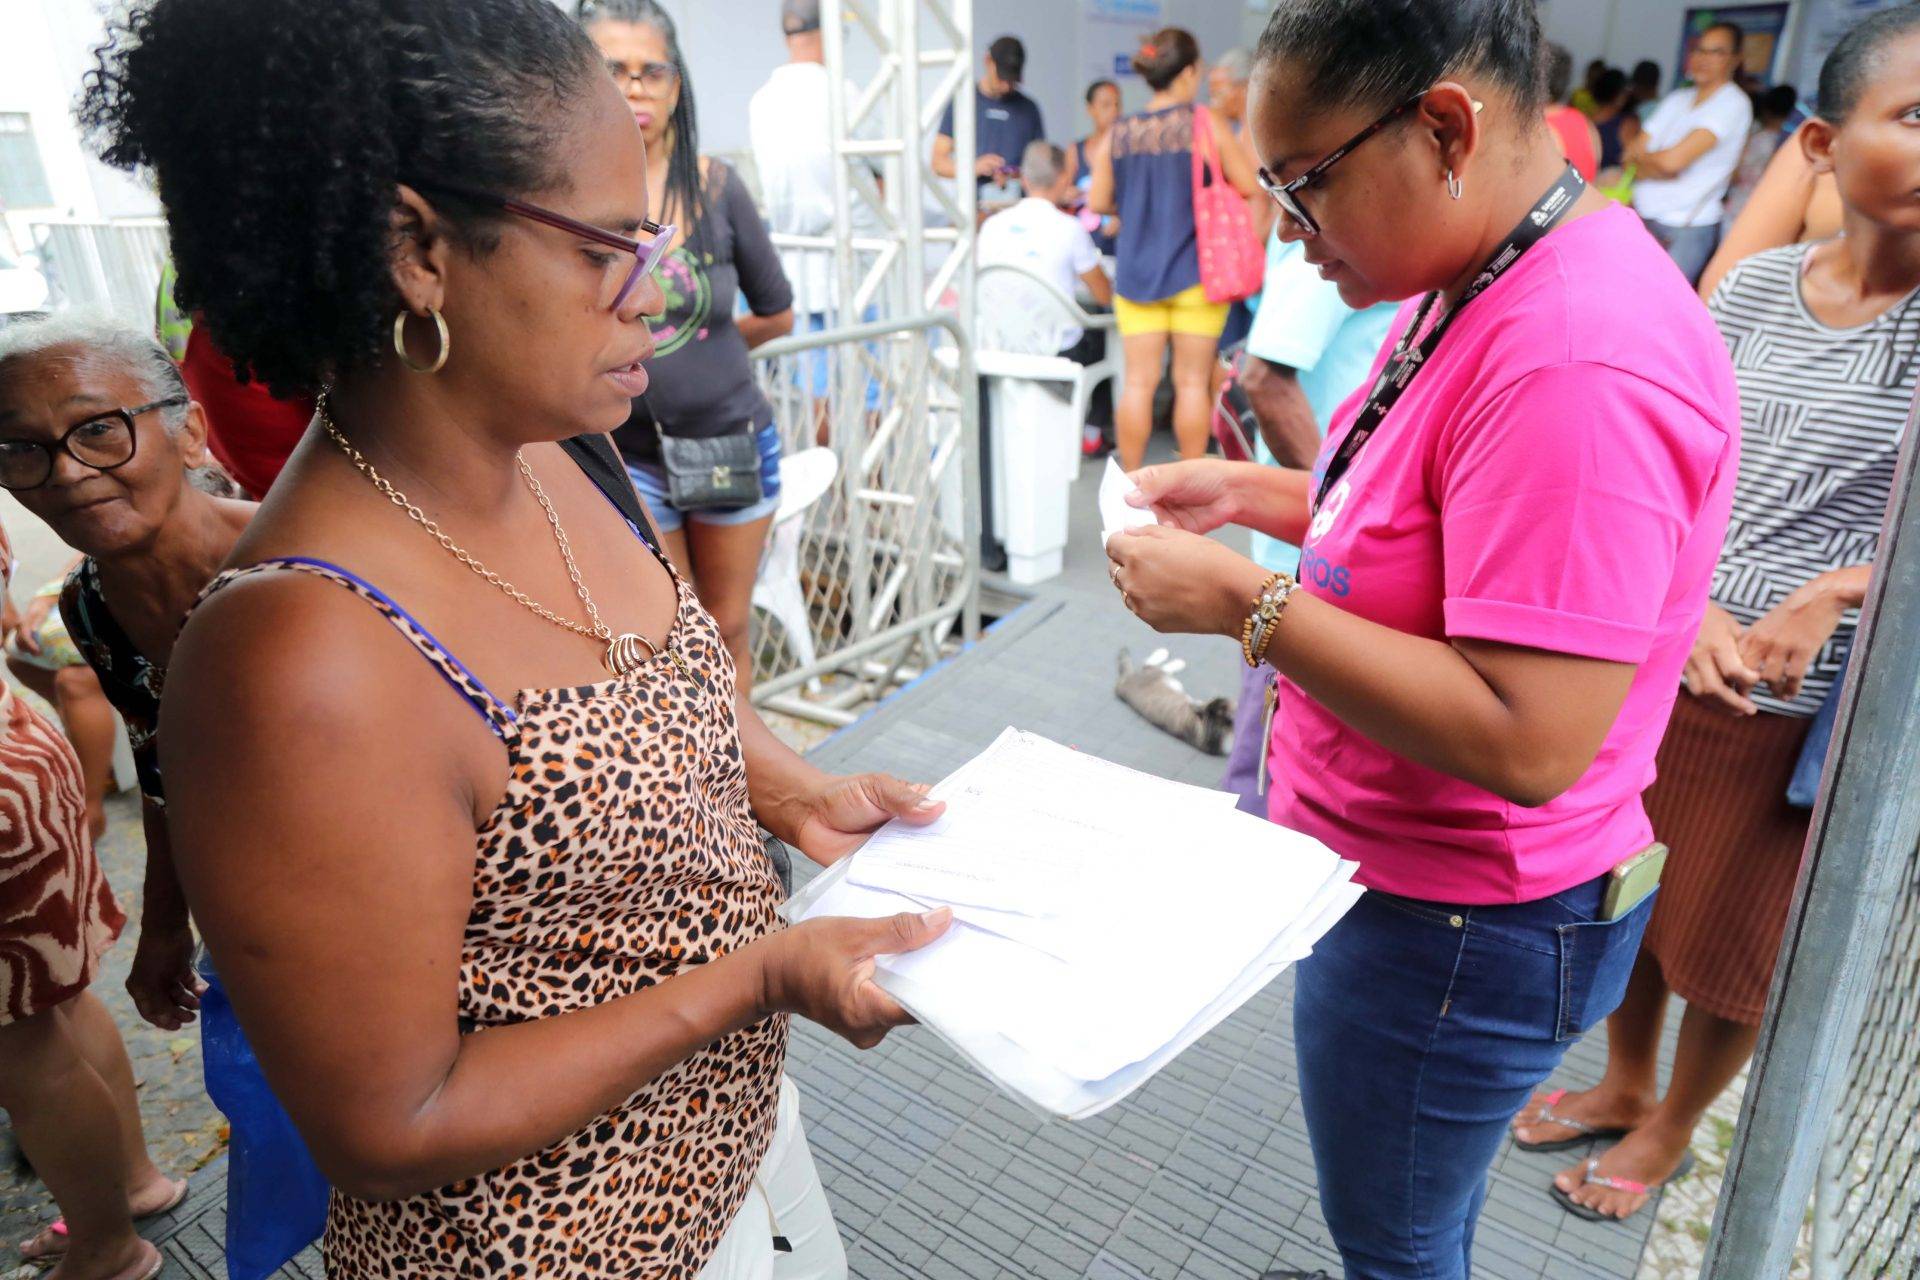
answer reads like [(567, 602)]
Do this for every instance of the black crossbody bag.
[(707, 473)]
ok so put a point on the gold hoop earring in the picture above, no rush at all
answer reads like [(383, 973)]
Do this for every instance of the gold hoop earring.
[(440, 330)]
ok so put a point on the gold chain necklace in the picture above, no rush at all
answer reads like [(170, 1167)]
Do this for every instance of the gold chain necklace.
[(623, 656)]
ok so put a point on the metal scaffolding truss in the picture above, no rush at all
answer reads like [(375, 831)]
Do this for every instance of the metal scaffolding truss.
[(885, 567), (920, 53)]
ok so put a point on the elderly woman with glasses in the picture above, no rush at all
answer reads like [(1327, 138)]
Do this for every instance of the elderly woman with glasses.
[(127, 483), (1507, 543), (74, 411), (461, 787)]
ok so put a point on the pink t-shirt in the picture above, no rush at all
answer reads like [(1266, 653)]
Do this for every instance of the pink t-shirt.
[(1557, 477)]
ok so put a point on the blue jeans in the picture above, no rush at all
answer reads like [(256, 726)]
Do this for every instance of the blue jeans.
[(1421, 1029)]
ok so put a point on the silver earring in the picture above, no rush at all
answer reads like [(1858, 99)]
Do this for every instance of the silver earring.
[(1453, 185)]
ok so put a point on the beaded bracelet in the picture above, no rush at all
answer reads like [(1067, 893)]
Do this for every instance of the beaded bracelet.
[(1268, 605)]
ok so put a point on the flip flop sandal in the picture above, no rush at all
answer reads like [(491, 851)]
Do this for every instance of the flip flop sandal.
[(1583, 1133), (59, 1229), (1628, 1185)]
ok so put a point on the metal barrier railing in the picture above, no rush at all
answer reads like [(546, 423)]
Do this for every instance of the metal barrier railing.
[(1829, 1111), (1866, 1215), (113, 265), (812, 266), (865, 588)]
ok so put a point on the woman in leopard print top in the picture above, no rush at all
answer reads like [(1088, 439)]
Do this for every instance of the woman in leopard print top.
[(501, 928)]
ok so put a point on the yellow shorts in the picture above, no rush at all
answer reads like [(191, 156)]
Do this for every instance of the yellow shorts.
[(1185, 312)]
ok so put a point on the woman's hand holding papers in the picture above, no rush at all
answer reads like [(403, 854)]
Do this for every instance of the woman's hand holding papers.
[(823, 970), (1198, 496), (1202, 494), (1182, 582), (832, 821)]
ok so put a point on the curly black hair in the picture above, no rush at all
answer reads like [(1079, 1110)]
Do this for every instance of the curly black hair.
[(278, 137)]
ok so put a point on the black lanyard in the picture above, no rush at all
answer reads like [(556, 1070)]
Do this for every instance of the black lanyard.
[(1408, 356)]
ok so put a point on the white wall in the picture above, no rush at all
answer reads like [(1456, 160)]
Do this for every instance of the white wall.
[(1621, 31), (44, 50)]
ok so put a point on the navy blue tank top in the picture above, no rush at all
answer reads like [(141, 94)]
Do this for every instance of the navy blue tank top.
[(1155, 255)]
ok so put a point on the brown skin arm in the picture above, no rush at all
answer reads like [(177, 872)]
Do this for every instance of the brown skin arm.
[(161, 980), (1780, 646), (1098, 286), (1287, 424), (759, 330), (1201, 495), (1236, 160), (1524, 724), (333, 881), (1100, 160), (1775, 214), (983, 166)]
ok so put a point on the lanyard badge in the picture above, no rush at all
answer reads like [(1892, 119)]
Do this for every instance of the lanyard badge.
[(1409, 355)]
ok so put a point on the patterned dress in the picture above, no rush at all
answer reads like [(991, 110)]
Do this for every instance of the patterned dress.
[(622, 853), (57, 913), (132, 684)]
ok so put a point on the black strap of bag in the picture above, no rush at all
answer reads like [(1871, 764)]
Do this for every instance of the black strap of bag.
[(1409, 355), (597, 457)]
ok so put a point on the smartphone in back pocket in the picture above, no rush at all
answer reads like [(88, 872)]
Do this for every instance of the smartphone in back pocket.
[(1631, 881)]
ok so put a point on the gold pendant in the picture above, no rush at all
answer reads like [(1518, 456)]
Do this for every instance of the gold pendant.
[(624, 654)]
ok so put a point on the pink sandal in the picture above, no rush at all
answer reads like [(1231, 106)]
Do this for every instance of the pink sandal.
[(1628, 1185), (1583, 1133), (58, 1229)]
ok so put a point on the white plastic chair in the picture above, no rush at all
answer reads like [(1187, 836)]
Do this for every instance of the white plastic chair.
[(805, 478), (1020, 313)]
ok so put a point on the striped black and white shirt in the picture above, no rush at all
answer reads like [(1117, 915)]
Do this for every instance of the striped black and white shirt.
[(1821, 416)]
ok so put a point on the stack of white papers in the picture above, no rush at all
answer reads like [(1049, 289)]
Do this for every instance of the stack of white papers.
[(1104, 919)]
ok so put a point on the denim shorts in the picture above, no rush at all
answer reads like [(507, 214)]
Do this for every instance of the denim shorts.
[(650, 478)]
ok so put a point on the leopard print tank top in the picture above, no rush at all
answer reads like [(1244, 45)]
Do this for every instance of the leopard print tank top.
[(622, 852)]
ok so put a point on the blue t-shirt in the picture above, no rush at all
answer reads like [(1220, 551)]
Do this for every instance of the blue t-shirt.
[(1300, 321), (1155, 255), (1002, 126)]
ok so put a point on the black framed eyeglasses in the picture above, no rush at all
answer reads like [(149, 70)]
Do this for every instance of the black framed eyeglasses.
[(646, 253), (104, 442), (1287, 194)]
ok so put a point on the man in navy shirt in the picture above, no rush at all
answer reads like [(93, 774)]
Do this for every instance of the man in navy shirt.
[(1005, 120)]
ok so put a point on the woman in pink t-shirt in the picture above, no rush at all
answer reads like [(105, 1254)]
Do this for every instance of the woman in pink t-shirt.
[(1498, 590)]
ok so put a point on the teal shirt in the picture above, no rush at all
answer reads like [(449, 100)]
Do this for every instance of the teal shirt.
[(1301, 322)]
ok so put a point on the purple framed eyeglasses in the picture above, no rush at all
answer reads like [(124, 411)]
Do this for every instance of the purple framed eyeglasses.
[(646, 254)]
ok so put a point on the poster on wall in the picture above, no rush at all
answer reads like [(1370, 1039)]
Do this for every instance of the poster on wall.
[(1762, 28), (1821, 28), (1114, 32)]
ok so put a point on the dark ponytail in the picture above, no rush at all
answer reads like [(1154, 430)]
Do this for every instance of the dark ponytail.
[(278, 137), (1164, 55), (685, 201)]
